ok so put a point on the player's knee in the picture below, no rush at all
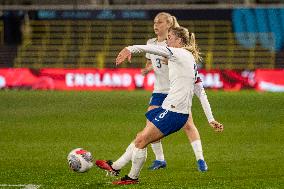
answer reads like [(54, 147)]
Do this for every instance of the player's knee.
[(189, 127), (140, 141)]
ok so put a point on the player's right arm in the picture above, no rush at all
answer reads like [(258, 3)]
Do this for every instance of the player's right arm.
[(152, 49), (148, 68)]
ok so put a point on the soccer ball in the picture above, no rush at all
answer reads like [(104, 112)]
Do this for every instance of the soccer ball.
[(80, 160)]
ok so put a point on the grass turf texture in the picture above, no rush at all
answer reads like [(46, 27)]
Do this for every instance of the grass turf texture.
[(39, 128)]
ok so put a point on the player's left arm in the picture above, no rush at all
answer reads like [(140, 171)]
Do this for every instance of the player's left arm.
[(202, 96)]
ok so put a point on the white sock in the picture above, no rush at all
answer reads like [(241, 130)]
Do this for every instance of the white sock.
[(158, 151), (197, 148), (138, 158), (125, 158)]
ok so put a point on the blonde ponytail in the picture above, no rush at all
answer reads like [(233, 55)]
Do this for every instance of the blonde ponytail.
[(175, 22), (193, 48), (189, 43)]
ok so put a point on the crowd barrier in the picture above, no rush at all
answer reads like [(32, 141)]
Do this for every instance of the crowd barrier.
[(131, 79)]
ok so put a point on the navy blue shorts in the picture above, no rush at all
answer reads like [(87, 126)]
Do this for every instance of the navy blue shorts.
[(167, 121), (157, 99)]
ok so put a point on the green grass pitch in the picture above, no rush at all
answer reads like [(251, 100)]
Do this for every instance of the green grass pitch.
[(39, 128)]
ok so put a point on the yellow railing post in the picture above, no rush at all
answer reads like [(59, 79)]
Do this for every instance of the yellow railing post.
[(251, 58), (209, 60), (44, 43), (85, 46), (100, 59), (230, 51), (211, 44)]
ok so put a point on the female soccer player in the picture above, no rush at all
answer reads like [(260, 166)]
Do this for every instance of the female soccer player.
[(174, 113), (162, 22)]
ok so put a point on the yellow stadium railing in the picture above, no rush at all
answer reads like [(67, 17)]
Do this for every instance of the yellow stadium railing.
[(75, 44)]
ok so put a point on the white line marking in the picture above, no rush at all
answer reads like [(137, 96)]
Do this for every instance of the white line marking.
[(24, 186)]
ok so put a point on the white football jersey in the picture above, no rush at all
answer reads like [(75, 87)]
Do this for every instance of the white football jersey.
[(162, 83), (182, 75)]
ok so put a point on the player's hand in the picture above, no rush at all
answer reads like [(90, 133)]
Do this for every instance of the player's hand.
[(145, 71), (123, 55), (164, 61), (218, 127)]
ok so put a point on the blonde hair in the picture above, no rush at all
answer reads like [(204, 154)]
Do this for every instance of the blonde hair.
[(188, 41), (172, 20)]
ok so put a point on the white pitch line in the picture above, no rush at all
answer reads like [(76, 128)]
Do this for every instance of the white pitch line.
[(25, 186)]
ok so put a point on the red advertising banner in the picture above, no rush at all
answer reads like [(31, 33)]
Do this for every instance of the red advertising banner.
[(269, 80), (93, 79), (227, 79), (131, 79), (17, 77), (76, 79)]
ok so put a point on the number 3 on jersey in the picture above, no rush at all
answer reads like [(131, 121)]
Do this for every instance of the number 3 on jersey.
[(158, 63)]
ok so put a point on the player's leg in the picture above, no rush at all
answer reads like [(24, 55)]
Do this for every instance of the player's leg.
[(157, 148), (163, 123), (191, 130), (149, 134), (125, 158), (114, 167), (194, 138)]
